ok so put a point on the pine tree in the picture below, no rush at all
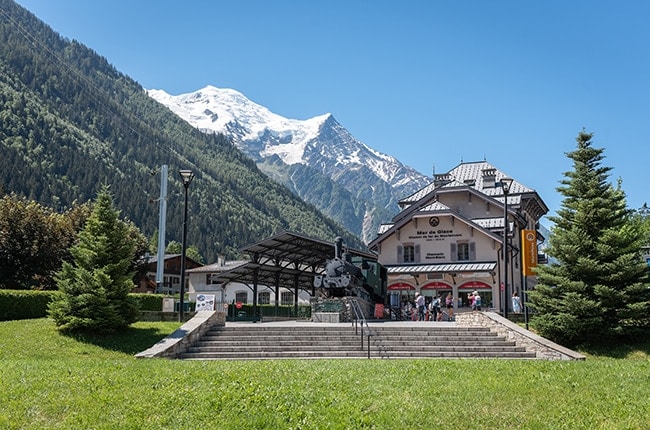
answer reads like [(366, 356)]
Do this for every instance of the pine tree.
[(598, 286), (94, 288)]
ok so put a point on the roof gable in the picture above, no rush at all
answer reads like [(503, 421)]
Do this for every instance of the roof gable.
[(390, 229), (480, 176)]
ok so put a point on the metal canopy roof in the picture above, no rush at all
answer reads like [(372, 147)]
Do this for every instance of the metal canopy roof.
[(286, 259), (268, 275)]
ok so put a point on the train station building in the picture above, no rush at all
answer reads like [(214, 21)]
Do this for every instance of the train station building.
[(450, 237)]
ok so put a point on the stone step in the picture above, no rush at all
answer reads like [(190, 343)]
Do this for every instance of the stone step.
[(393, 342), (327, 335), (426, 341), (421, 349), (258, 355), (338, 329)]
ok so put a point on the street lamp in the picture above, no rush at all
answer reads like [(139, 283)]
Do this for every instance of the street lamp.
[(505, 185), (186, 176)]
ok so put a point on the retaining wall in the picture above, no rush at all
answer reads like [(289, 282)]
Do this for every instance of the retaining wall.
[(544, 348), (180, 340)]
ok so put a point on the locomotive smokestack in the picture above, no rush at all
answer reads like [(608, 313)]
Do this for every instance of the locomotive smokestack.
[(338, 247)]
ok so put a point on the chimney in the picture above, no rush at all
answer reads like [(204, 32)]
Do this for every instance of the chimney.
[(441, 179), (338, 247), (489, 177)]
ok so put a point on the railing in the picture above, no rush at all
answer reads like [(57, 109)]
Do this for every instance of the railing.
[(360, 319)]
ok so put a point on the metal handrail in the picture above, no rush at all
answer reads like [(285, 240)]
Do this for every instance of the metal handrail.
[(359, 316)]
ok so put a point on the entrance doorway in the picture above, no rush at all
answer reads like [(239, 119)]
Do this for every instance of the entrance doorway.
[(486, 298)]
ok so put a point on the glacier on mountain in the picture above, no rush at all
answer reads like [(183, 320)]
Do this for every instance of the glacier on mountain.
[(320, 144)]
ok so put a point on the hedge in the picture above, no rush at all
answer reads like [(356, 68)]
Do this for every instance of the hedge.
[(287, 311), (28, 304), (24, 304), (148, 302)]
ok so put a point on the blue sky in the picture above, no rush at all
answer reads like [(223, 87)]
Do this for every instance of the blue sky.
[(428, 82)]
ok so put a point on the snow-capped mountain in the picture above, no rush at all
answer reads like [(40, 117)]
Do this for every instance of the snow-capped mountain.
[(317, 158)]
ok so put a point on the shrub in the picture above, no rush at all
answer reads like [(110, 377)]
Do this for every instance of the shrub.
[(28, 304), (148, 302), (24, 304)]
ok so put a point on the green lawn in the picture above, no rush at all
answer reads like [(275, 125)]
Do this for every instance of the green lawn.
[(54, 381)]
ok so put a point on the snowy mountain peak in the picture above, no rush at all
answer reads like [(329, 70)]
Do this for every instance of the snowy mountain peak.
[(319, 143), (223, 110)]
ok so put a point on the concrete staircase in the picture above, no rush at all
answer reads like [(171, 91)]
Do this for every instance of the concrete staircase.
[(313, 341)]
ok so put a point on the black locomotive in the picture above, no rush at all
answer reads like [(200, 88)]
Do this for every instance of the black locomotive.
[(348, 275)]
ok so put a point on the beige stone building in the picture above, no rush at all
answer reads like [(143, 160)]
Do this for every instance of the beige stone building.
[(449, 237)]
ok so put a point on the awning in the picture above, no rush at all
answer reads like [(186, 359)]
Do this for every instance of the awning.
[(445, 268)]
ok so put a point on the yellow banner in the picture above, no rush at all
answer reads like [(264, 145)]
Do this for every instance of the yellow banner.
[(528, 251)]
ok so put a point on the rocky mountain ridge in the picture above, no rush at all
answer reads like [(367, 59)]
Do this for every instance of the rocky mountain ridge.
[(317, 158)]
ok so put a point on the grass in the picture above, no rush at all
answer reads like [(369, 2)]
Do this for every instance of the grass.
[(53, 381)]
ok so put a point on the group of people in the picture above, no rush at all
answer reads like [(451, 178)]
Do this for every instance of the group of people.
[(433, 310), (421, 310)]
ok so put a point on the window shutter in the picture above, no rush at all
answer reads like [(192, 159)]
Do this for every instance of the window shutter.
[(417, 253), (400, 254), (472, 251), (454, 252)]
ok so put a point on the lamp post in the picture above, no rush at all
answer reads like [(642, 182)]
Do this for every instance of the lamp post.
[(505, 185), (186, 176)]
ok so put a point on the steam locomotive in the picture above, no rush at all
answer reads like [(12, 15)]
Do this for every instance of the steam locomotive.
[(347, 275)]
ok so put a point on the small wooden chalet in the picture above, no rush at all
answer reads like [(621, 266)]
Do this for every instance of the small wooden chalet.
[(171, 282)]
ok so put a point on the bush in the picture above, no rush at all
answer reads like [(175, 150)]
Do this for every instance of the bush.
[(148, 302), (286, 311), (28, 304), (24, 304)]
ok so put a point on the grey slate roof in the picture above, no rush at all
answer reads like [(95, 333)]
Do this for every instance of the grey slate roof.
[(471, 174)]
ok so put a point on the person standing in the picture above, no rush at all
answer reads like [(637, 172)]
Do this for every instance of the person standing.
[(516, 303), (477, 301), (419, 304), (449, 302), (470, 300), (434, 307)]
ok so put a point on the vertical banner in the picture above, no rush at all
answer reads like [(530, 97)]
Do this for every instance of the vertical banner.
[(529, 251)]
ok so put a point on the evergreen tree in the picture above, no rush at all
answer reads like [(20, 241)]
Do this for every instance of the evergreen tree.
[(153, 243), (174, 247), (194, 253), (598, 286), (94, 288)]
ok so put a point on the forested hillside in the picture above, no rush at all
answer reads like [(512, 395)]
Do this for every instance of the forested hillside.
[(70, 122)]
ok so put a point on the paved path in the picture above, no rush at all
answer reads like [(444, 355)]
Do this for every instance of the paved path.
[(372, 323)]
